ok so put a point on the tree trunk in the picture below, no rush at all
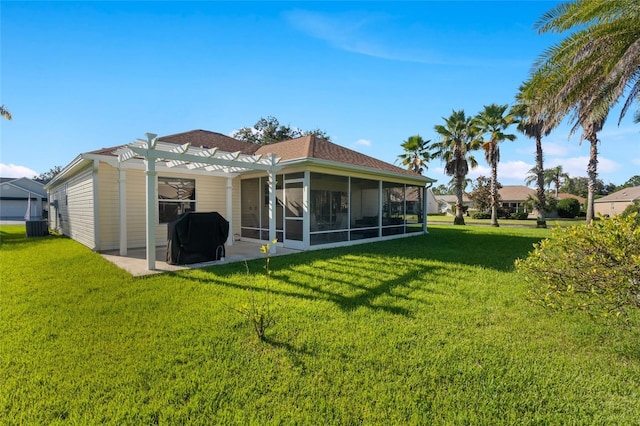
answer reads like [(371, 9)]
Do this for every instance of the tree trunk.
[(592, 172), (541, 222), (459, 219), (494, 185)]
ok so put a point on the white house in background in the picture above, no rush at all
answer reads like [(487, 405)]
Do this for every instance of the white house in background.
[(616, 203), (19, 195), (306, 193)]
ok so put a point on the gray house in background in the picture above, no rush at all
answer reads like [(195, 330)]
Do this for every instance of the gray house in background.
[(616, 203), (21, 195)]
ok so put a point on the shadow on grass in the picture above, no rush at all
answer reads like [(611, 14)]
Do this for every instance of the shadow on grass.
[(360, 275)]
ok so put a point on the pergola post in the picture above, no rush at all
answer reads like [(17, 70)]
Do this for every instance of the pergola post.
[(122, 198), (272, 204), (150, 166), (230, 210)]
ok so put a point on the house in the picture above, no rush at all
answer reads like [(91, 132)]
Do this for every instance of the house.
[(514, 198), (306, 193), (447, 203), (616, 203), (22, 198)]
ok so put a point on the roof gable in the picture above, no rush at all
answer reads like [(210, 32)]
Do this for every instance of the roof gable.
[(625, 194), (515, 192)]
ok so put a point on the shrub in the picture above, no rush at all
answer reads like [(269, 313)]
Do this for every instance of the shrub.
[(481, 215), (568, 208), (633, 208), (592, 267), (520, 215)]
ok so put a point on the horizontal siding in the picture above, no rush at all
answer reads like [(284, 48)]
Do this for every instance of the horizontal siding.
[(108, 207), (74, 215)]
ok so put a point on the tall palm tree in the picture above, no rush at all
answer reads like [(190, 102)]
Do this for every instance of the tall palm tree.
[(416, 154), (492, 121), (458, 137), (592, 68), (5, 113), (533, 124)]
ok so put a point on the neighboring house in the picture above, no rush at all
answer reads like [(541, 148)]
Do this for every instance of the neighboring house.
[(616, 203), (306, 192), (447, 203), (22, 198), (514, 198)]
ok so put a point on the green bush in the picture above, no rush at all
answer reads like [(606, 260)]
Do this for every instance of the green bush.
[(633, 208), (592, 267), (481, 215), (568, 208), (520, 215)]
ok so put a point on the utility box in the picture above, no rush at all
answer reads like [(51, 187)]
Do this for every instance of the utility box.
[(37, 228)]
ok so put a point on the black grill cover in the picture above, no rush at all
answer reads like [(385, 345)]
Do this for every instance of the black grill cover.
[(196, 237)]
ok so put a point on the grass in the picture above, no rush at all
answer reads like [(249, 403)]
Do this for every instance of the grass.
[(433, 329), (528, 223)]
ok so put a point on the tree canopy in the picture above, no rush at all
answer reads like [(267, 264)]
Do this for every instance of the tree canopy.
[(269, 130)]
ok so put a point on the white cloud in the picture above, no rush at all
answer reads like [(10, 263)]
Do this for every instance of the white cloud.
[(577, 166), (507, 171), (363, 142), (16, 171)]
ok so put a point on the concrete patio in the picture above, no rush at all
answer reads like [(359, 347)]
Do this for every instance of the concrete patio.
[(136, 264)]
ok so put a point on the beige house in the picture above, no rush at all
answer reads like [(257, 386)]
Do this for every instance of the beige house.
[(306, 193), (616, 203)]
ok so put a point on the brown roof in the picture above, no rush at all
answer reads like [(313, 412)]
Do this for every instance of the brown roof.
[(199, 138), (625, 194), (515, 193), (300, 148), (315, 147), (563, 195)]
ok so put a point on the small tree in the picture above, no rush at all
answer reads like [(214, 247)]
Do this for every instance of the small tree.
[(595, 267), (45, 177), (481, 194), (269, 130)]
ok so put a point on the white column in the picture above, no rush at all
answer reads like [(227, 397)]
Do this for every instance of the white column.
[(96, 206), (380, 201), (425, 206), (122, 197), (152, 197), (230, 210), (272, 204)]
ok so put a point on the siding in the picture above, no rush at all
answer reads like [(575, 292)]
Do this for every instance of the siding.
[(75, 209), (108, 207)]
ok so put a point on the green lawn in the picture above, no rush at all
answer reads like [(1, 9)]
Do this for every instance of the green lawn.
[(433, 329), (529, 223)]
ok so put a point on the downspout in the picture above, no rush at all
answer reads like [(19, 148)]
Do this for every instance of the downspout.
[(96, 206)]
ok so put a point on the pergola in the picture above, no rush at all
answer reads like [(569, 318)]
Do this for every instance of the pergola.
[(187, 157)]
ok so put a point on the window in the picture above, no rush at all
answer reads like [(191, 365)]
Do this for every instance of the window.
[(175, 197)]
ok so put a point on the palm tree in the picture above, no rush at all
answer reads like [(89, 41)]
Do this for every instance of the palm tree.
[(416, 154), (533, 124), (601, 58), (554, 176), (5, 113), (592, 68), (493, 121), (458, 136)]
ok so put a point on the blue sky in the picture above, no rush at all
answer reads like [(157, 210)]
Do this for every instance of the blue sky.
[(79, 76)]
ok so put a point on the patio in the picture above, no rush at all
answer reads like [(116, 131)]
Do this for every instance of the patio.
[(136, 264)]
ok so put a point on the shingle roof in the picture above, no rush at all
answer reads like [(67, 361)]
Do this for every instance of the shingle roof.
[(300, 148), (625, 194), (315, 147), (563, 195), (516, 192)]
